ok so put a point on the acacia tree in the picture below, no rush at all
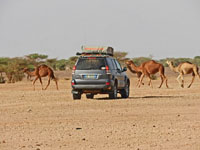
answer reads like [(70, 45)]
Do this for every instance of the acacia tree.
[(36, 59), (197, 60), (51, 63), (61, 64), (13, 68)]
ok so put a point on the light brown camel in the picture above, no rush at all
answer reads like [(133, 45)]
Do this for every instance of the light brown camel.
[(184, 68), (149, 68), (42, 71)]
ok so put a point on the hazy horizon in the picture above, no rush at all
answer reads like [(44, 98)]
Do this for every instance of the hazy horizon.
[(58, 28)]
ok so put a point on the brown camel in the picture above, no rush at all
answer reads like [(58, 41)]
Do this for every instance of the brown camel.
[(184, 68), (42, 71), (149, 68)]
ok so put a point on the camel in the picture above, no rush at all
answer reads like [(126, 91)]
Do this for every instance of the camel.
[(184, 68), (149, 68), (42, 71)]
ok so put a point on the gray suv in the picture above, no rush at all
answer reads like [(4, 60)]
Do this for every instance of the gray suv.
[(99, 74)]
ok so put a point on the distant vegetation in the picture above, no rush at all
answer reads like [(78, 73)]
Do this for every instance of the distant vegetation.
[(13, 67)]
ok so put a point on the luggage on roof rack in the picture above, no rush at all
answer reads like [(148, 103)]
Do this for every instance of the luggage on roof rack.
[(102, 50)]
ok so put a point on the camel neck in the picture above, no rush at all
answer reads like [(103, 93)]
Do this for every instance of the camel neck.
[(173, 68), (129, 67), (135, 68)]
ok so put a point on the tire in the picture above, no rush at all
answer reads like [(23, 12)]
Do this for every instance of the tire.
[(76, 96), (90, 96), (125, 92), (113, 95)]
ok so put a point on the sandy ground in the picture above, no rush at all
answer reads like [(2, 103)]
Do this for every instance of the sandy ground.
[(151, 119)]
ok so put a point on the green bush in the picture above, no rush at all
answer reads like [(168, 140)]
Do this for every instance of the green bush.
[(2, 79), (139, 60), (61, 64)]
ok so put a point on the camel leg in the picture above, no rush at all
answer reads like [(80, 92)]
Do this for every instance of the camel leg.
[(162, 79), (34, 82), (178, 79), (150, 83), (139, 75), (198, 76), (196, 72), (182, 81), (166, 80), (141, 78), (193, 76), (139, 82), (41, 82), (47, 84), (56, 84)]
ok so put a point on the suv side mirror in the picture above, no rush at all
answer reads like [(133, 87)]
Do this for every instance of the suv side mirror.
[(124, 69)]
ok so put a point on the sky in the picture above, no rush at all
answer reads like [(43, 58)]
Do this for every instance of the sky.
[(58, 28)]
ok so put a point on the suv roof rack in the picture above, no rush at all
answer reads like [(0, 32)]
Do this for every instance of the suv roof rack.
[(96, 50), (92, 54)]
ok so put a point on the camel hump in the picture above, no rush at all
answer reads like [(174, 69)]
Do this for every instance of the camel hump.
[(188, 62), (151, 62), (43, 66)]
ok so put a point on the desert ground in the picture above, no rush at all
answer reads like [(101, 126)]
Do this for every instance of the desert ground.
[(150, 119)]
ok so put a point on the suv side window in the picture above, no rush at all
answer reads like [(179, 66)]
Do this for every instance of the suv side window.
[(118, 65), (114, 64), (110, 64)]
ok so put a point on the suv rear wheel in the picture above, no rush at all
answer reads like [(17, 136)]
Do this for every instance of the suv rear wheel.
[(90, 96), (113, 95), (76, 96), (125, 92)]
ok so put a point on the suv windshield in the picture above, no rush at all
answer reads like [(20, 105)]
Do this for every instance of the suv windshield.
[(90, 63)]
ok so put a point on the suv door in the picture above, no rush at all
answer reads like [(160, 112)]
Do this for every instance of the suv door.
[(120, 76)]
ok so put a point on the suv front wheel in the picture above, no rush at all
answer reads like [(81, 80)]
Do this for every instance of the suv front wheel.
[(90, 96), (125, 92), (113, 95), (76, 96)]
